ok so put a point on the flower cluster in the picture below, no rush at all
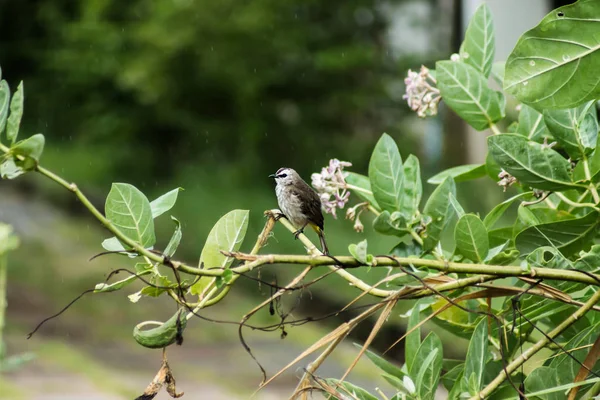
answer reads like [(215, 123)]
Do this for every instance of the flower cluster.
[(331, 186), (353, 213), (506, 179), (421, 94)]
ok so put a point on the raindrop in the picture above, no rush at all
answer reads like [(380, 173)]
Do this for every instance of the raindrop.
[(465, 55), (532, 63), (566, 57), (525, 83), (560, 14)]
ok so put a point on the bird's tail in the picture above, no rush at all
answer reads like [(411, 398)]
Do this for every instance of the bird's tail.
[(323, 244), (319, 231)]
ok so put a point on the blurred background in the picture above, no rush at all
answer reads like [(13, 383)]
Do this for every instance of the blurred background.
[(211, 96)]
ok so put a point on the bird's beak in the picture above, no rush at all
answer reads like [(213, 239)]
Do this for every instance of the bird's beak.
[(272, 176)]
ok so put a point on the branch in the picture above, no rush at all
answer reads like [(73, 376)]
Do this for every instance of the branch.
[(444, 266), (113, 229)]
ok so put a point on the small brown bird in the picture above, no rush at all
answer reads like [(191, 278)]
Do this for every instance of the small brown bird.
[(299, 203)]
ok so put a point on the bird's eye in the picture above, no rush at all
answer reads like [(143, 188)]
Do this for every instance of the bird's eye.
[(281, 175)]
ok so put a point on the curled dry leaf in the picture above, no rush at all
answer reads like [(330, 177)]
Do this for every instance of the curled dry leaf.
[(163, 377)]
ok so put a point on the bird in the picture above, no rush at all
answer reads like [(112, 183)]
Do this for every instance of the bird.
[(299, 203)]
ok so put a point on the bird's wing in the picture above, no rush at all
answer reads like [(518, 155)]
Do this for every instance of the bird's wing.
[(311, 204)]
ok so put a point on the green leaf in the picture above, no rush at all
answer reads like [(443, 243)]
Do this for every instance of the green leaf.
[(396, 383), (385, 174), (413, 339), (425, 369), (498, 72), (362, 182), (394, 224), (566, 365), (575, 129), (505, 257), (227, 235), (439, 210), (412, 188), (461, 173), (456, 320), (404, 249), (113, 244), (164, 203), (491, 167), (383, 364), (555, 64), (9, 169), (454, 373), (568, 236), (499, 236), (543, 378), (477, 353), (531, 124), (429, 376), (531, 163), (8, 240), (30, 148), (465, 90), (162, 282), (458, 210), (16, 112), (357, 392), (175, 239), (129, 210), (4, 103), (105, 288), (457, 388), (498, 211), (359, 252), (478, 47), (471, 238)]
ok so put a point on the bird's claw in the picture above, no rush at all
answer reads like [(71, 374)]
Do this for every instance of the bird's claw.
[(297, 233), (278, 216)]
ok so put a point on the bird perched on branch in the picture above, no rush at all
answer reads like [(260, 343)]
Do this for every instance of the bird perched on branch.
[(299, 203)]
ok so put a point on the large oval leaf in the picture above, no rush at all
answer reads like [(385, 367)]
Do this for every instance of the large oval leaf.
[(477, 354), (543, 378), (427, 366), (576, 129), (478, 47), (438, 208), (460, 173), (363, 187), (568, 236), (498, 211), (412, 188), (16, 112), (227, 235), (129, 210), (471, 238), (465, 91), (164, 203), (531, 124), (531, 163), (555, 64), (385, 174), (4, 103)]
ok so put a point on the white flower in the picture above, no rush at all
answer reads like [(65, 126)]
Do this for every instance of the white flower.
[(506, 179), (331, 185), (421, 94)]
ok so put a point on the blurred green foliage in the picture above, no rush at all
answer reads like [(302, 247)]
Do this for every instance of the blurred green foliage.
[(247, 86)]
